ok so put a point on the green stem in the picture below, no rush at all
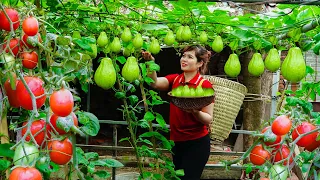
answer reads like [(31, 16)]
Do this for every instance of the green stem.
[(153, 139), (130, 127)]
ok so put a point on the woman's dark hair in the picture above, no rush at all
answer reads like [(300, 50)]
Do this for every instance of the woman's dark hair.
[(202, 54)]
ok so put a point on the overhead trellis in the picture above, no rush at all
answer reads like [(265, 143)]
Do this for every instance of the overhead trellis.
[(155, 18)]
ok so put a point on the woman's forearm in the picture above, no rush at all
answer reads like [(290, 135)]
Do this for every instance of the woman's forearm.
[(203, 117)]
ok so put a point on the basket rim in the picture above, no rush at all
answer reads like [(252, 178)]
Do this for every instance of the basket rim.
[(190, 97)]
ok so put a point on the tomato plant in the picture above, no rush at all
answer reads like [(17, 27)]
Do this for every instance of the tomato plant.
[(259, 155), (25, 154), (38, 130), (61, 102), (307, 140), (24, 40), (12, 94), (13, 16), (30, 26), (36, 86), (283, 153), (60, 151), (281, 125), (53, 121), (13, 46), (276, 138), (29, 60), (25, 173)]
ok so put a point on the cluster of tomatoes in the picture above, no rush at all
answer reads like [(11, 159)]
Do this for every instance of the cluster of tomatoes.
[(46, 136), (275, 150)]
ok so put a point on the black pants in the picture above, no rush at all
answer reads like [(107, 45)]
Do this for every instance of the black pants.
[(191, 156)]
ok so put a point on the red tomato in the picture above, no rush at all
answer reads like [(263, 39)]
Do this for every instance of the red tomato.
[(264, 178), (54, 118), (13, 45), (283, 153), (30, 26), (29, 60), (35, 127), (12, 94), (258, 155), (13, 16), (36, 86), (281, 125), (304, 128), (314, 145), (61, 102), (278, 138), (25, 173), (24, 40), (60, 151)]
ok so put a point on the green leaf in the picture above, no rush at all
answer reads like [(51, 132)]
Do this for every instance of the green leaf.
[(180, 172), (152, 66), (80, 156), (313, 95), (5, 150), (305, 167), (65, 123), (248, 169), (160, 120), (113, 163), (102, 174), (147, 142), (166, 144), (149, 27), (4, 164), (90, 123), (120, 95), (124, 139), (91, 155), (309, 70), (148, 116), (91, 168), (83, 44), (121, 59), (133, 99), (148, 80)]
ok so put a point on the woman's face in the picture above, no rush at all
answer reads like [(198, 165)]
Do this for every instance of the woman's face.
[(189, 62)]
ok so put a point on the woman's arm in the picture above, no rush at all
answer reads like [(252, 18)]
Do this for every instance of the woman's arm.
[(205, 115), (160, 83)]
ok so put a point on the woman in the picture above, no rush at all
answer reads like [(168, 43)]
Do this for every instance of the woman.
[(188, 128)]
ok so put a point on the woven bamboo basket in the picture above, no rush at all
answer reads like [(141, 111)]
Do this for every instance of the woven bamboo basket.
[(229, 96)]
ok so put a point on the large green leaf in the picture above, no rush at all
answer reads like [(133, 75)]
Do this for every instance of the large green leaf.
[(90, 123)]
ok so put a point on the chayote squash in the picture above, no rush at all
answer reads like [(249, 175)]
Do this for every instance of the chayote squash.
[(94, 52), (126, 35), (203, 38), (154, 46), (217, 44), (186, 33), (179, 33), (232, 67), (272, 61), (105, 75), (137, 41), (169, 39), (256, 65), (294, 67), (130, 70), (102, 40), (115, 46)]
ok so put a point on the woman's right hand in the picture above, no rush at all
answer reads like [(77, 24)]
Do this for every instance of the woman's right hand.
[(147, 56)]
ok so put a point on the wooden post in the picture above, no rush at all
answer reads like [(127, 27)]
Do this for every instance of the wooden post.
[(252, 110)]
